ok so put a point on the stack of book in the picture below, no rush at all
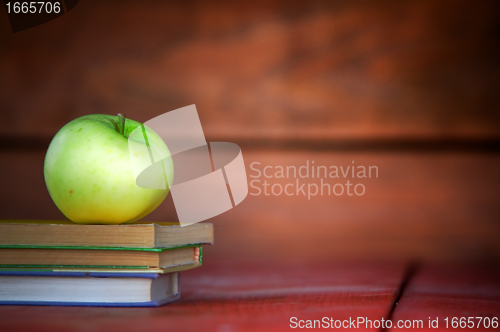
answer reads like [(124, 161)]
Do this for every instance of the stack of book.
[(62, 263)]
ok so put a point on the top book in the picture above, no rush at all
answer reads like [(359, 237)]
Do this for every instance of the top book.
[(34, 233)]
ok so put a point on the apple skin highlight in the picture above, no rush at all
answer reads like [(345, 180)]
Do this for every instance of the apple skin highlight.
[(89, 176)]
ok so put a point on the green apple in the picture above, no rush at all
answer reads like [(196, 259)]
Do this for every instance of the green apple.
[(89, 175)]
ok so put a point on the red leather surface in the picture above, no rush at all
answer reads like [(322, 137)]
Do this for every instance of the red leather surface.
[(440, 291)]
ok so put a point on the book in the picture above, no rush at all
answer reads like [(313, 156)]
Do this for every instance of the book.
[(143, 270), (88, 289), (27, 257), (136, 235)]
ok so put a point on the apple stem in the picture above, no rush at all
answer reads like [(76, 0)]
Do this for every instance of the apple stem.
[(122, 122)]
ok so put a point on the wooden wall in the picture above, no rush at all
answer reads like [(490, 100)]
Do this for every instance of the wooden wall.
[(409, 86)]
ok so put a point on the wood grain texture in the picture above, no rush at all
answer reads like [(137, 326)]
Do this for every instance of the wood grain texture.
[(440, 291), (319, 75), (261, 70), (237, 296)]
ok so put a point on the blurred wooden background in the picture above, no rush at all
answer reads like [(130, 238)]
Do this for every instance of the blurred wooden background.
[(409, 86)]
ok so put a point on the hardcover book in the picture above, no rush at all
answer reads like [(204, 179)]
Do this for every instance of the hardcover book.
[(137, 235), (92, 257), (88, 289)]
